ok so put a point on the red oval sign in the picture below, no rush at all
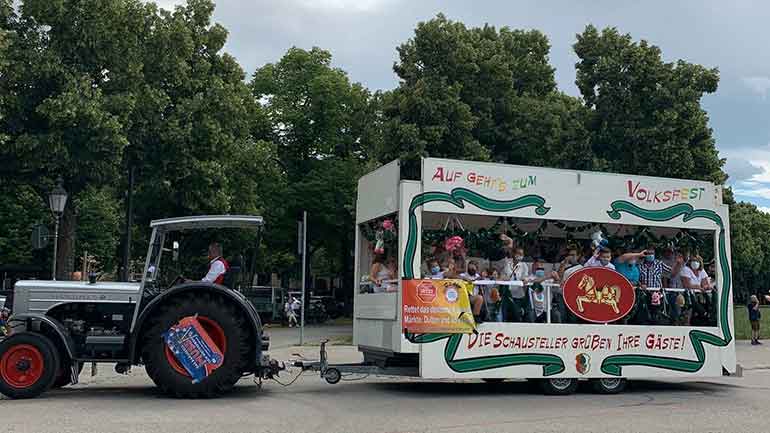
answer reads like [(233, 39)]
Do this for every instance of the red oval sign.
[(599, 295)]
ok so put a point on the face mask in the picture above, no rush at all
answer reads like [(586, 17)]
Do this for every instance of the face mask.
[(695, 265), (604, 262), (471, 272), (632, 262), (435, 269), (539, 273), (519, 258), (649, 259)]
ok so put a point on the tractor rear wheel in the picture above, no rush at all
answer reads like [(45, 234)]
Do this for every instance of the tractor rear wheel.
[(227, 329), (28, 365)]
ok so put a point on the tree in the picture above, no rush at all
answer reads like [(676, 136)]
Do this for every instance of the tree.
[(646, 116), (93, 87), (60, 117), (481, 93), (749, 236), (325, 129)]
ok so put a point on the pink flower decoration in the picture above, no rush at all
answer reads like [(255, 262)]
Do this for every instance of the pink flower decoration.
[(388, 225), (453, 243)]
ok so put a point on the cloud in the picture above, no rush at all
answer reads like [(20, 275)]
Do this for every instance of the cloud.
[(345, 5), (765, 209), (759, 85), (741, 170), (753, 193)]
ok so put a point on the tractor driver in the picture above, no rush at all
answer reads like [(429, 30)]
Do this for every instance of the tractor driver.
[(218, 266)]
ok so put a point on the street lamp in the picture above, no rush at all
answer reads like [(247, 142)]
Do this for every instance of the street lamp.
[(57, 199)]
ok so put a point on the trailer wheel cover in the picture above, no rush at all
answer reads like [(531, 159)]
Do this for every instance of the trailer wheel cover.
[(22, 366), (213, 329)]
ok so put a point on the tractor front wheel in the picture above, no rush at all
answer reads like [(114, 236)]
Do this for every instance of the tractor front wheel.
[(28, 365), (228, 331)]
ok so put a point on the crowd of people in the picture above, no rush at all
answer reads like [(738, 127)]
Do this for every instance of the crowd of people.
[(691, 302)]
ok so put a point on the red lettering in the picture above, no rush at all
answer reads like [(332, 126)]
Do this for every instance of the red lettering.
[(632, 189), (439, 174), (498, 340), (472, 339)]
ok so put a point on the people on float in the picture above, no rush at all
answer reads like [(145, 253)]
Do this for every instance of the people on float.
[(392, 266), (476, 297), (538, 299), (602, 258), (628, 265), (450, 269), (570, 264), (380, 274), (492, 296), (435, 270), (536, 292), (693, 276)]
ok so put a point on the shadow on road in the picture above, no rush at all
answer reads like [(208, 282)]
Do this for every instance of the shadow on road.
[(135, 393), (453, 389)]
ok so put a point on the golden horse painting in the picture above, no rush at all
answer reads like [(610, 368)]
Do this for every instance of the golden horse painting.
[(607, 295)]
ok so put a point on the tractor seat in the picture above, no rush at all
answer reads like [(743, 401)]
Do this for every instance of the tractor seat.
[(231, 277)]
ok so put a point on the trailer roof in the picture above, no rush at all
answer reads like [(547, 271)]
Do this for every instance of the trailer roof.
[(208, 222)]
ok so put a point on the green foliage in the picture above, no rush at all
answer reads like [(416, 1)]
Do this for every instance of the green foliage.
[(21, 208), (99, 222), (90, 88), (646, 116)]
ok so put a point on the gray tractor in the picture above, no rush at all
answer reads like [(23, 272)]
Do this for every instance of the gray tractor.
[(57, 327)]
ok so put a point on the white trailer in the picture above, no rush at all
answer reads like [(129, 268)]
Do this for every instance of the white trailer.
[(560, 354)]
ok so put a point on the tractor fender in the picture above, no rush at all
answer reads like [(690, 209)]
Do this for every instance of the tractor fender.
[(238, 299), (27, 320)]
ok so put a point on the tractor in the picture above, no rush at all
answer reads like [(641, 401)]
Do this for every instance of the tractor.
[(57, 327)]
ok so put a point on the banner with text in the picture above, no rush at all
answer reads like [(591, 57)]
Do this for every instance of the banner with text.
[(437, 306)]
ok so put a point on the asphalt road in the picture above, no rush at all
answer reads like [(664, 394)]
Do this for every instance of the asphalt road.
[(112, 403)]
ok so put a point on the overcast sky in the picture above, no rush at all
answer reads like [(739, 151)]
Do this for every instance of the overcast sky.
[(362, 36)]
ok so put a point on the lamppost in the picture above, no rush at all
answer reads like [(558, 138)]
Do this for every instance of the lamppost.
[(57, 199)]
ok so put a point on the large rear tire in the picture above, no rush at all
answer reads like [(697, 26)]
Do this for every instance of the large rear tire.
[(28, 365), (222, 322)]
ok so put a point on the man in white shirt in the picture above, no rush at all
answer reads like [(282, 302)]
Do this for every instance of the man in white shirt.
[(218, 266)]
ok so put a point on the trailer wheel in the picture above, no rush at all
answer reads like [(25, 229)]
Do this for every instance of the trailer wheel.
[(28, 365), (225, 326), (609, 386), (332, 376), (559, 386)]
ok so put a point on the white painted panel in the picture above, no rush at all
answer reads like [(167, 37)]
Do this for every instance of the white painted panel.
[(570, 195), (378, 192)]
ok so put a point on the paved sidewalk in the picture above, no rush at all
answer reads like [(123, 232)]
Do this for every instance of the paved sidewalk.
[(753, 357)]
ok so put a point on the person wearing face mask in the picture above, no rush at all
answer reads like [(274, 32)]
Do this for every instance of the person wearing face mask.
[(435, 270), (693, 275)]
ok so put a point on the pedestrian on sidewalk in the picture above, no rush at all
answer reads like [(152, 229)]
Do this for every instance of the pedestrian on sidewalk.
[(290, 310), (754, 316)]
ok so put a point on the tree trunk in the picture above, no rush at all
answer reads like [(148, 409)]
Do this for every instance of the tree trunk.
[(65, 260)]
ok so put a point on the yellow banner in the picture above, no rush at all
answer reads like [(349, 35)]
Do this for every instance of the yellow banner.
[(437, 307)]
